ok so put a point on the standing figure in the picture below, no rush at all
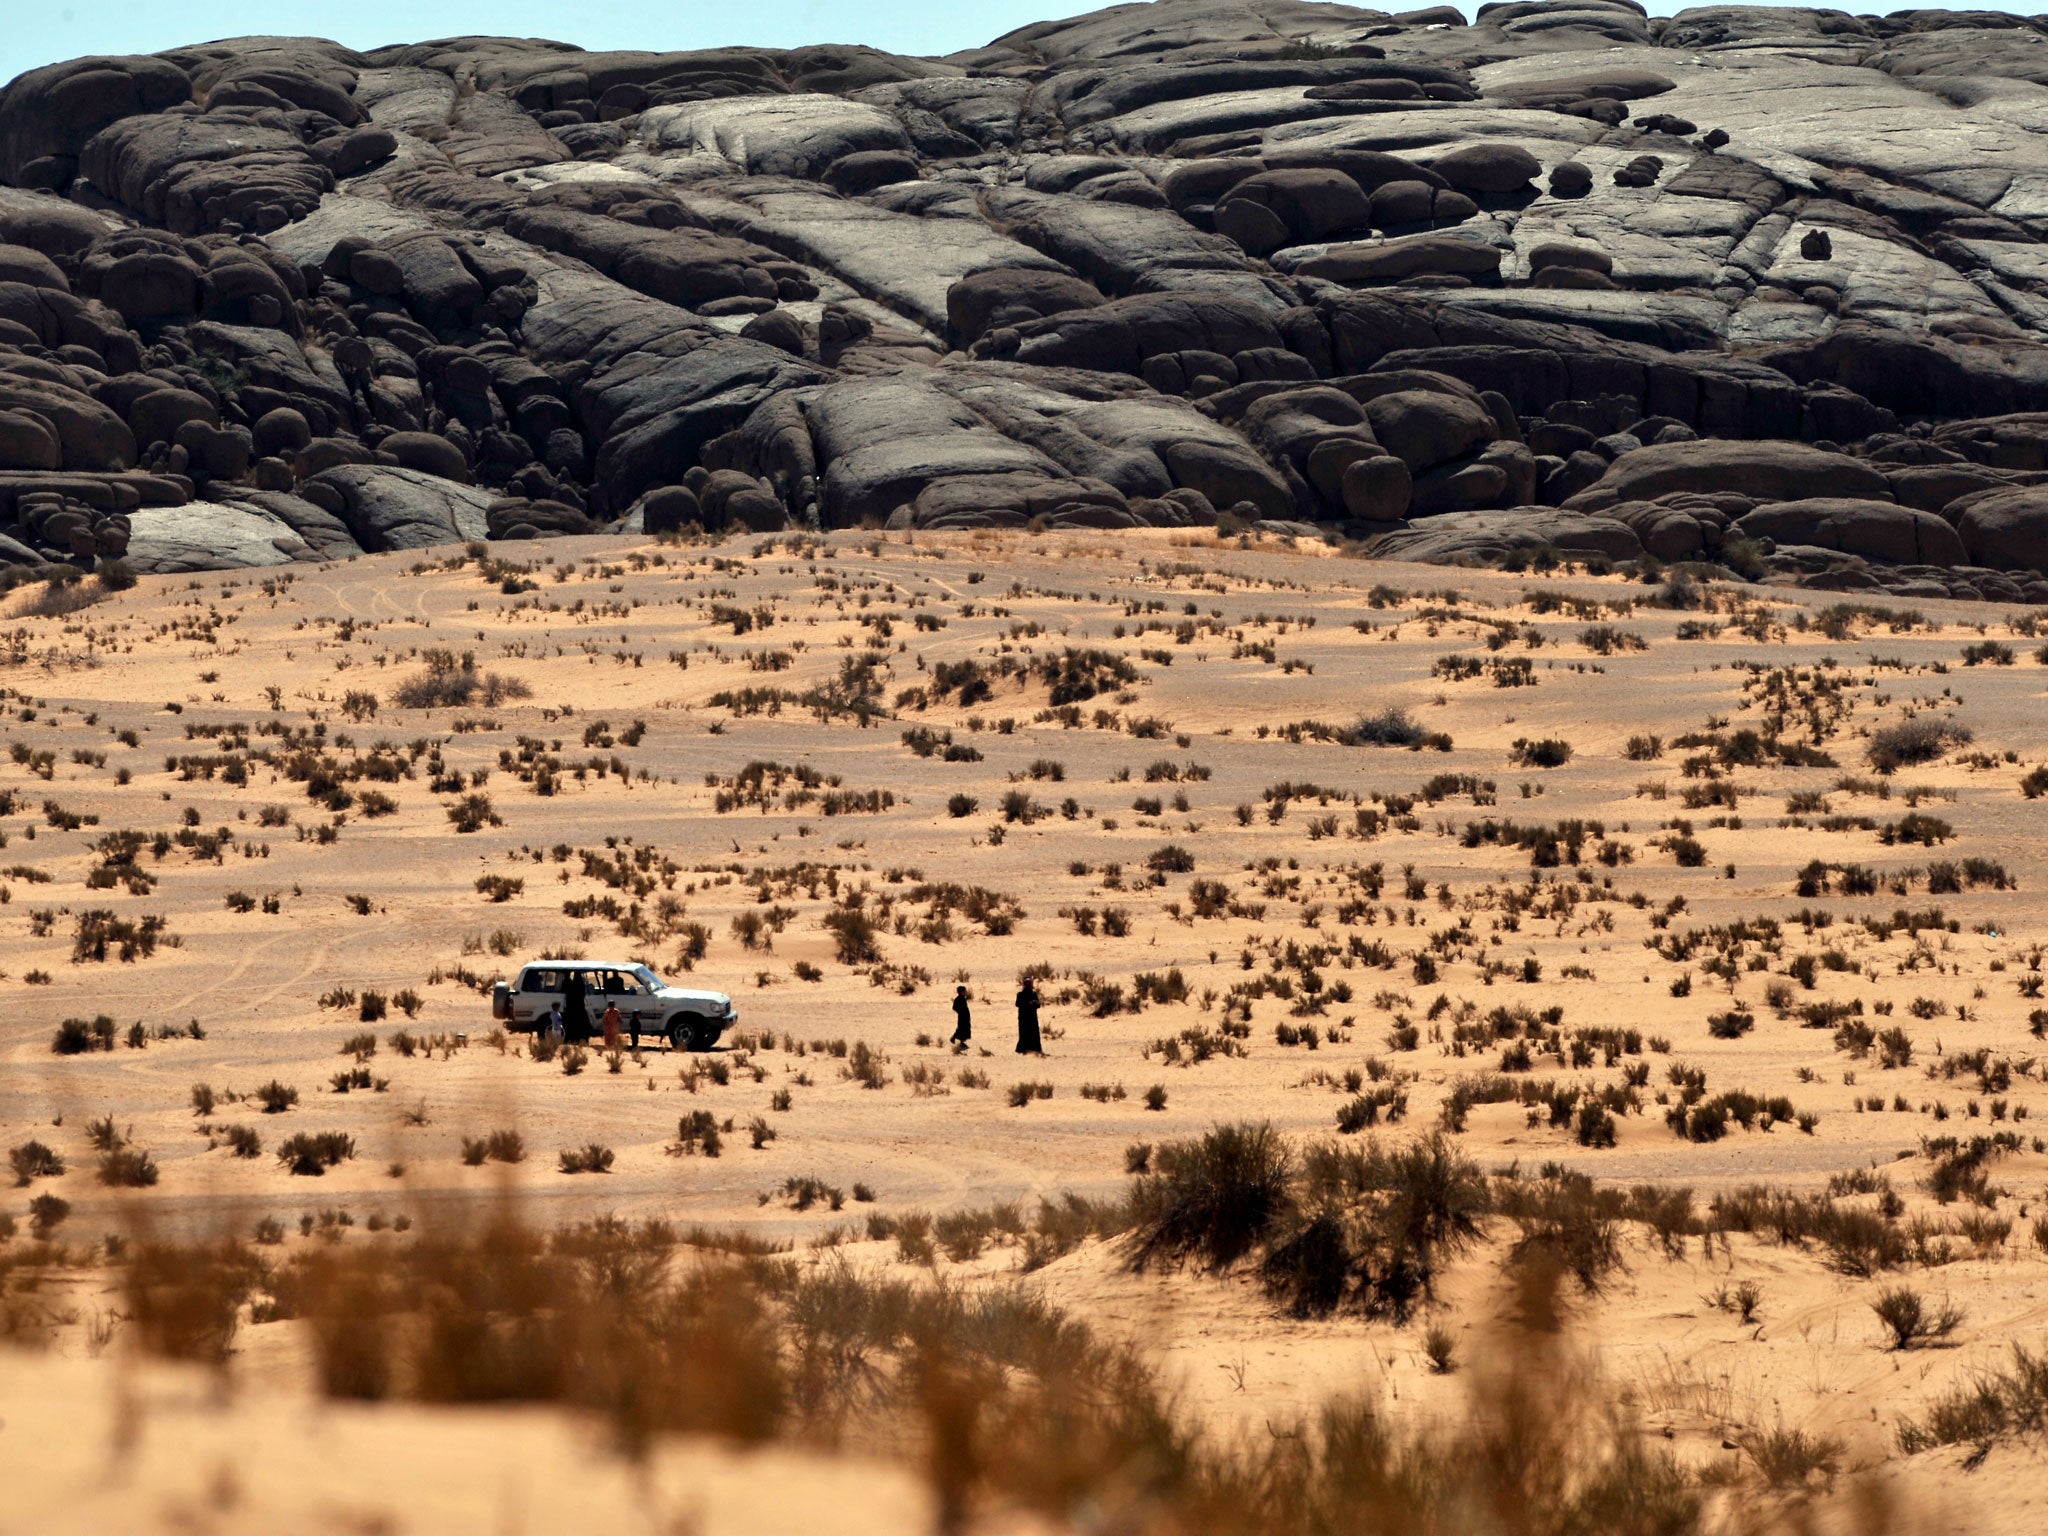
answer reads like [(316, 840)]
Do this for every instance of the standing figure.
[(1028, 1042), (575, 1017), (633, 1028), (555, 1023), (612, 1021), (963, 1030)]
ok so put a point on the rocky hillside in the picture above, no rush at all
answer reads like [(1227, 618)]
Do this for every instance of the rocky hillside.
[(1758, 285)]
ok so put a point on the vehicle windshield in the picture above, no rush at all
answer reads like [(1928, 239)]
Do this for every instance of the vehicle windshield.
[(647, 978)]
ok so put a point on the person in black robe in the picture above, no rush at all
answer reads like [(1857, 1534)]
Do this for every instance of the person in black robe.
[(963, 1031), (1028, 1042), (575, 1017)]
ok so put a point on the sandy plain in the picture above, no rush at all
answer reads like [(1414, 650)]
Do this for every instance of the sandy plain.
[(1142, 702)]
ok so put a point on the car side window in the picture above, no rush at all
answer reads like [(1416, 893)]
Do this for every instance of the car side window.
[(540, 981)]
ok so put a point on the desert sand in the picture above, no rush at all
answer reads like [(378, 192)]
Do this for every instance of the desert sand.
[(1150, 815)]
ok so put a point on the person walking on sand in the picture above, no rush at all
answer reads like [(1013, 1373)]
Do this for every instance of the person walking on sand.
[(575, 1017), (963, 1030), (1028, 1042), (611, 1021)]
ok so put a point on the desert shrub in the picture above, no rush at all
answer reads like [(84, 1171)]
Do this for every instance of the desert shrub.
[(312, 1153), (1366, 1109), (853, 935), (1605, 640), (275, 1097), (100, 933), (698, 1132), (802, 1191), (1792, 1458), (449, 682), (1992, 1404), (127, 1168), (1371, 1229), (1550, 752), (242, 1140), (1595, 1125), (1567, 1226), (46, 1213), (587, 1159), (865, 1065), (32, 1160), (77, 1037), (1212, 1199), (1389, 727), (1440, 1349), (1908, 1319), (472, 813), (1919, 740)]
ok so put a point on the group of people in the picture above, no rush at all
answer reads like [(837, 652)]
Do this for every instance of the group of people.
[(1029, 1041), (569, 1020)]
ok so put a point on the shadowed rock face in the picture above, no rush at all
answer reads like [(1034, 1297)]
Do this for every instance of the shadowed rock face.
[(1568, 279)]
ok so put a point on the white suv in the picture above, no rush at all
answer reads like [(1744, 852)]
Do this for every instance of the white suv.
[(688, 1020)]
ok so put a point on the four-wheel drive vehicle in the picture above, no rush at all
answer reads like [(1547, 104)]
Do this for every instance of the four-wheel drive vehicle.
[(688, 1020)]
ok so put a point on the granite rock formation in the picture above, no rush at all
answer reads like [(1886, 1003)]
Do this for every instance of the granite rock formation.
[(1766, 287)]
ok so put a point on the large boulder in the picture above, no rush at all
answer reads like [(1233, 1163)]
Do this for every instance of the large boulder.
[(20, 264), (1487, 168), (1011, 296), (2006, 529), (1275, 208), (385, 507), (1227, 477), (210, 536), (326, 536), (1388, 261), (1766, 470), (27, 441), (156, 415), (1876, 530), (90, 436), (428, 453), (1425, 428), (146, 276), (48, 114), (1492, 538)]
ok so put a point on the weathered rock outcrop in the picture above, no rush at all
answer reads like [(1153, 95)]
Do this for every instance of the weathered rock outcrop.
[(1566, 277)]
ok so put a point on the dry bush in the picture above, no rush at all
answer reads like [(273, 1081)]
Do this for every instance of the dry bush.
[(1000, 1400), (449, 682), (32, 1160), (1909, 1320), (1919, 740), (1214, 1199), (587, 1159)]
